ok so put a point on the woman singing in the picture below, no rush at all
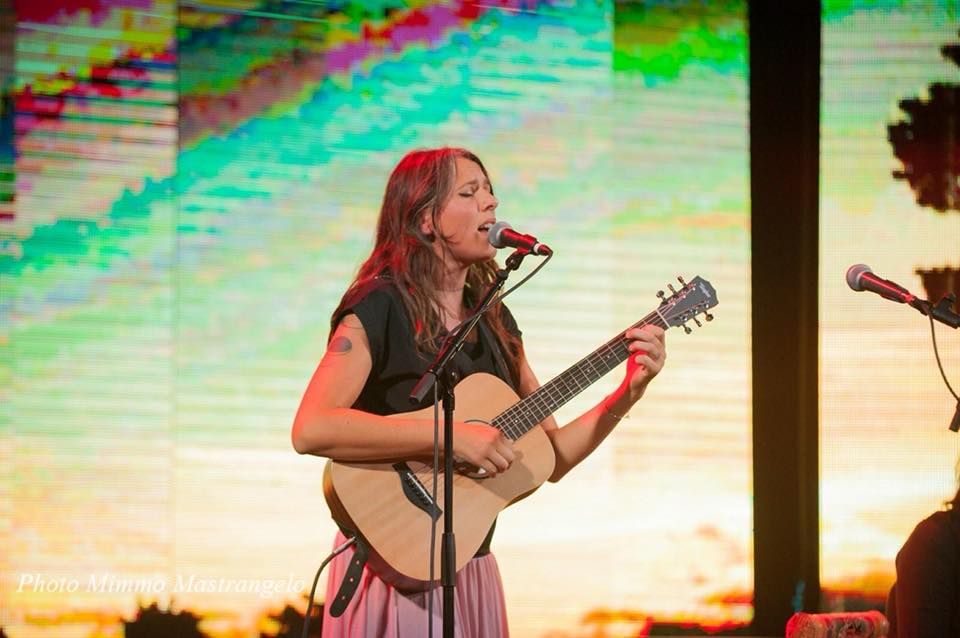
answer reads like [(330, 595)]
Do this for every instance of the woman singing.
[(430, 265)]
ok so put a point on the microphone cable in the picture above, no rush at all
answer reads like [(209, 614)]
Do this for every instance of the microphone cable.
[(433, 495), (499, 298), (955, 423), (313, 590)]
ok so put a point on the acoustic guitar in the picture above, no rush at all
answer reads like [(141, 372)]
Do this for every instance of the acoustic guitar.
[(391, 505)]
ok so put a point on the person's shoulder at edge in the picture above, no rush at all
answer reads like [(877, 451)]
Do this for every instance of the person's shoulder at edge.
[(936, 528)]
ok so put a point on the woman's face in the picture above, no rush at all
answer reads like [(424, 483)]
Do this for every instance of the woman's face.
[(466, 216)]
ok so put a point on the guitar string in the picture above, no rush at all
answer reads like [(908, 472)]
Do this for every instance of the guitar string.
[(516, 420), (614, 351), (564, 388), (558, 391), (511, 418)]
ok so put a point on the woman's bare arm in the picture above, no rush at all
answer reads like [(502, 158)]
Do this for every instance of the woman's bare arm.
[(573, 442), (326, 425)]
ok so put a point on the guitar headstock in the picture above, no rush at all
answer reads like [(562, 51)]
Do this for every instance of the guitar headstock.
[(684, 305)]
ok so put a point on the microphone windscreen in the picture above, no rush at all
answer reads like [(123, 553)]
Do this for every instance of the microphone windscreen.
[(854, 273), (495, 234)]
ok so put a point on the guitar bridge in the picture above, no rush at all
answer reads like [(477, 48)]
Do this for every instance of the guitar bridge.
[(415, 491)]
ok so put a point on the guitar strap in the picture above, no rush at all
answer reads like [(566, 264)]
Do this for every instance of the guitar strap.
[(351, 578)]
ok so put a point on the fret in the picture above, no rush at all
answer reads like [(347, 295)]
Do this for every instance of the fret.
[(593, 370), (509, 428)]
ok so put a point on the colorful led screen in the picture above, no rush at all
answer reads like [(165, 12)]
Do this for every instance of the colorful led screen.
[(195, 184)]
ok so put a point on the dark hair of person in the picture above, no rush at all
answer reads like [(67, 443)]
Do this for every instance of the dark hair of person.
[(954, 503), (422, 182)]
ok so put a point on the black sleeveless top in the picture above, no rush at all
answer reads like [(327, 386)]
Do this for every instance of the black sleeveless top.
[(397, 366)]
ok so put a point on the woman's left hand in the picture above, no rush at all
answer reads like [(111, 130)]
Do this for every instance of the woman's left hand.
[(648, 352)]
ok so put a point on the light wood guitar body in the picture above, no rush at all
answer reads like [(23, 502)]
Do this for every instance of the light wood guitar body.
[(370, 496)]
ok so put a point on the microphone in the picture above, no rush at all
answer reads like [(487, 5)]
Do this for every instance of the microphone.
[(502, 235), (860, 278)]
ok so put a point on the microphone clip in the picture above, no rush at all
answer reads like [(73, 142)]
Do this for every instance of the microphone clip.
[(941, 311), (513, 261)]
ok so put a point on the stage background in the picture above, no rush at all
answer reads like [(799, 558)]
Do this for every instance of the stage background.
[(194, 185), (887, 458)]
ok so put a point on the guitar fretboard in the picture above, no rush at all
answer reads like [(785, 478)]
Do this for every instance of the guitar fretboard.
[(517, 420)]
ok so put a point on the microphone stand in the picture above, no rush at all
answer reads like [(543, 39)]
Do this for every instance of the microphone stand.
[(446, 380)]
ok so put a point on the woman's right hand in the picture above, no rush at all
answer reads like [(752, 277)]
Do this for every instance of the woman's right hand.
[(483, 446)]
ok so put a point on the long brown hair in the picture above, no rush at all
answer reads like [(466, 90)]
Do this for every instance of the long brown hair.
[(954, 503), (422, 182)]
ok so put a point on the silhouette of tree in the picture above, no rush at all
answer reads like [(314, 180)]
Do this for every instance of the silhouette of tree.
[(290, 622), (941, 281), (928, 143), (153, 622)]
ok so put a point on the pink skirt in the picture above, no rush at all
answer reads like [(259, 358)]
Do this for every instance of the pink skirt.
[(378, 610)]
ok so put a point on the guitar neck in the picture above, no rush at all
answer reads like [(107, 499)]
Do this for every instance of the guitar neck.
[(519, 418)]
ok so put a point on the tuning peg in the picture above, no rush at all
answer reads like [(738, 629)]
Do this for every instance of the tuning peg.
[(697, 321), (708, 316), (672, 291), (680, 279), (687, 329), (661, 294)]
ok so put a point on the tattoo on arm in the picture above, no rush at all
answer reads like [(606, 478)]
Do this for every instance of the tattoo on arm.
[(340, 345)]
